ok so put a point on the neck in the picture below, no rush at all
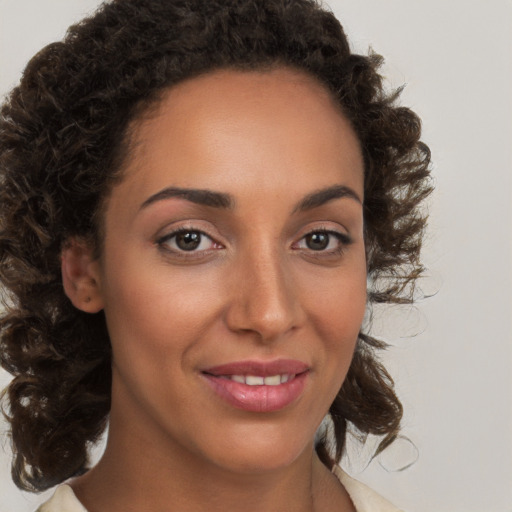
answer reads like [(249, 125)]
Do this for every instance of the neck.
[(143, 480), (147, 470)]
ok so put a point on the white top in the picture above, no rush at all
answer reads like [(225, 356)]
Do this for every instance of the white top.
[(363, 498)]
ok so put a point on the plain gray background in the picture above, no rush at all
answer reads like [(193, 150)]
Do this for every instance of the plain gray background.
[(452, 354)]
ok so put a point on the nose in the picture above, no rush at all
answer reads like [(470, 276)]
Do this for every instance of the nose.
[(264, 300)]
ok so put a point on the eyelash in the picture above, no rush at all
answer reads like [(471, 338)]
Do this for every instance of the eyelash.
[(343, 241), (163, 243)]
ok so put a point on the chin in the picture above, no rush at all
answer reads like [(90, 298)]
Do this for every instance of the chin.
[(262, 450)]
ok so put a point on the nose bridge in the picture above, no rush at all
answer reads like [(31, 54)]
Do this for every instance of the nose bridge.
[(264, 302)]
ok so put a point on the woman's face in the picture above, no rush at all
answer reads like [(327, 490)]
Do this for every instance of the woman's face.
[(233, 275)]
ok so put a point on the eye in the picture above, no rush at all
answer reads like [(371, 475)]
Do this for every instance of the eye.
[(187, 240), (324, 241)]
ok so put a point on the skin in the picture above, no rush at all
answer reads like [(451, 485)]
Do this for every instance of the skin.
[(253, 290)]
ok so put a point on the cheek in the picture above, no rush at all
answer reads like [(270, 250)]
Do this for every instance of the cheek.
[(338, 301), (152, 328), (154, 310), (337, 312)]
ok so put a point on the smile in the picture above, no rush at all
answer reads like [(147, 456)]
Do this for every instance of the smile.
[(258, 386)]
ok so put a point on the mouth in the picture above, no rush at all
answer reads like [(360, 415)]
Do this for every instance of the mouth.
[(259, 380), (258, 386)]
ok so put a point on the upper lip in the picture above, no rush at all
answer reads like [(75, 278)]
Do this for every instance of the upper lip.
[(259, 368)]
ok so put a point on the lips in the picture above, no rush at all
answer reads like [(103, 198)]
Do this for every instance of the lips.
[(258, 386)]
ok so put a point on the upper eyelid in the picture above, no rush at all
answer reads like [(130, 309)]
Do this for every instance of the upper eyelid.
[(344, 238), (324, 227), (171, 234), (181, 226)]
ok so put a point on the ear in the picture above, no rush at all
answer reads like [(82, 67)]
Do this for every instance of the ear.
[(81, 276)]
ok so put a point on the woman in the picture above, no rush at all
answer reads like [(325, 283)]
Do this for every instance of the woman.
[(194, 197)]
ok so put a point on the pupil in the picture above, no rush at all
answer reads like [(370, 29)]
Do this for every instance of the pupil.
[(188, 241), (317, 241)]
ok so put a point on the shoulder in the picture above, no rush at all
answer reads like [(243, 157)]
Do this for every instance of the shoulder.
[(63, 500), (364, 498)]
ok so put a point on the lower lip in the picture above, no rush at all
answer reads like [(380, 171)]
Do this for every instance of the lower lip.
[(258, 398)]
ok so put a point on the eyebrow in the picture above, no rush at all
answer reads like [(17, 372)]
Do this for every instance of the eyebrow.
[(194, 195), (320, 197), (225, 201)]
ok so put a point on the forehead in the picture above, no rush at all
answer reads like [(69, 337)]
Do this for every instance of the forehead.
[(258, 130)]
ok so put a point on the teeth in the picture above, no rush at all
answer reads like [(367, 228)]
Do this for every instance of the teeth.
[(252, 380), (256, 380), (274, 380)]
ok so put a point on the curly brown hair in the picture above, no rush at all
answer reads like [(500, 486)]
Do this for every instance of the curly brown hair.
[(63, 138)]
